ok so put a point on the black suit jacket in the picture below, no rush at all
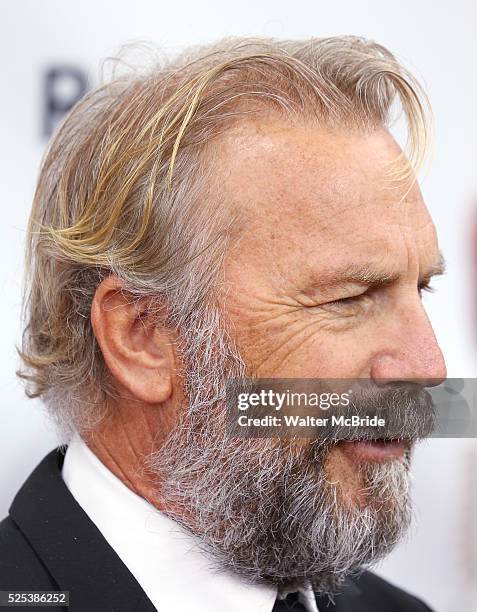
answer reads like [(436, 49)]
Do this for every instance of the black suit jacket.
[(49, 543)]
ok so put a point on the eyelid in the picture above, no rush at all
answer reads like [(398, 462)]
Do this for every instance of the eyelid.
[(353, 297), (350, 299), (425, 285)]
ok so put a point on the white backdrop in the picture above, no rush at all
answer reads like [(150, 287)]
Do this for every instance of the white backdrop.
[(438, 41)]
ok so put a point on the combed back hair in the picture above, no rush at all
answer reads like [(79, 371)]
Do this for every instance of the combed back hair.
[(127, 188)]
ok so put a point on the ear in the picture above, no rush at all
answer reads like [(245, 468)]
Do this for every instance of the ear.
[(139, 354)]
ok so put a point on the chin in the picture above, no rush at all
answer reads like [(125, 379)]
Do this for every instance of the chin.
[(355, 471)]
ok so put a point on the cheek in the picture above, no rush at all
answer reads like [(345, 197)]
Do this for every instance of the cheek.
[(322, 355), (291, 347)]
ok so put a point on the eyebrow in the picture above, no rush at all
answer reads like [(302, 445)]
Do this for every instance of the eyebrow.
[(368, 275)]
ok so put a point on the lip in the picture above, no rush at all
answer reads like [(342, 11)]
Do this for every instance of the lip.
[(362, 451)]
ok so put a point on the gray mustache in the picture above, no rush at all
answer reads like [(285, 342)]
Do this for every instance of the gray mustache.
[(405, 412)]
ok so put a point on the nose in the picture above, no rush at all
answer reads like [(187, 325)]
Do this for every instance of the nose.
[(409, 351)]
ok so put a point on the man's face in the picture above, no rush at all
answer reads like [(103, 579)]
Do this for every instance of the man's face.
[(326, 281), (323, 283)]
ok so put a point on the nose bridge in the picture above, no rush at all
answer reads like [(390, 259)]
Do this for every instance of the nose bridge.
[(411, 352)]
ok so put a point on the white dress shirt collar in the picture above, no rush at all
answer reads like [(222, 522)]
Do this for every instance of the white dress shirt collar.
[(164, 559)]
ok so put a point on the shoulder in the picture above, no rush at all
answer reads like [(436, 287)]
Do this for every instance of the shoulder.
[(20, 567), (379, 592)]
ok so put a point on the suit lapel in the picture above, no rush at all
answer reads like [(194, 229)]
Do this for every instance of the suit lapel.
[(71, 547), (348, 600)]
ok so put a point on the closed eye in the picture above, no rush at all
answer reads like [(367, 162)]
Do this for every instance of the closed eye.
[(355, 299), (350, 302)]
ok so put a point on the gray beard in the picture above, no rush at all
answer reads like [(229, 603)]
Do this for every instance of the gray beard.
[(265, 509)]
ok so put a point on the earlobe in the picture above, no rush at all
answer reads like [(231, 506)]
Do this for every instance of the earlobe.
[(138, 352)]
